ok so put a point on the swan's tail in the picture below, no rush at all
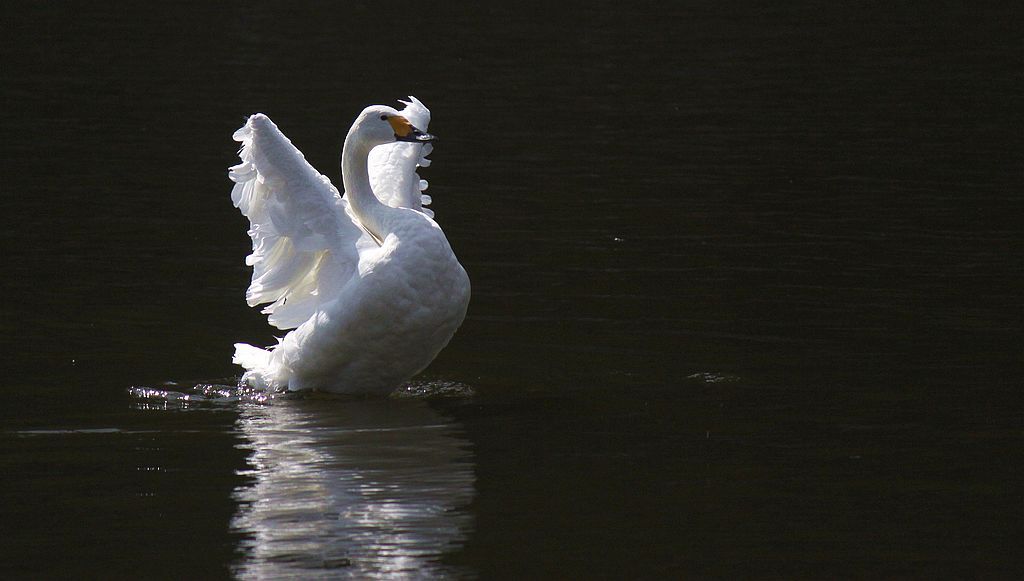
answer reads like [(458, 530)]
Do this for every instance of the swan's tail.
[(261, 371)]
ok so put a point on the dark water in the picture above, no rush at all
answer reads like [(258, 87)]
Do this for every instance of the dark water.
[(746, 301)]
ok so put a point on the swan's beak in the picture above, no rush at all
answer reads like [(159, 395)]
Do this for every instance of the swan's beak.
[(417, 136), (404, 131)]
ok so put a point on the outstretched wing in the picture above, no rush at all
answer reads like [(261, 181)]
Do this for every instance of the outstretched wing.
[(393, 166), (304, 245)]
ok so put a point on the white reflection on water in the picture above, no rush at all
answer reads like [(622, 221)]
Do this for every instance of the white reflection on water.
[(360, 489)]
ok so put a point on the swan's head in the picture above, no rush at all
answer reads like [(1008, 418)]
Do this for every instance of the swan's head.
[(379, 124)]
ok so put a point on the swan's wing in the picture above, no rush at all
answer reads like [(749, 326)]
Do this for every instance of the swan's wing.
[(304, 245), (393, 166)]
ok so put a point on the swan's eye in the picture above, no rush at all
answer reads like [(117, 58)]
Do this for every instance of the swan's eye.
[(383, 117)]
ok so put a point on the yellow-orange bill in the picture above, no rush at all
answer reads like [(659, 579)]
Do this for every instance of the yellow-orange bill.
[(401, 125)]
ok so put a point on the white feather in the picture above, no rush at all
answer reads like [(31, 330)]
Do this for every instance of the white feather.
[(368, 311), (393, 166), (304, 245)]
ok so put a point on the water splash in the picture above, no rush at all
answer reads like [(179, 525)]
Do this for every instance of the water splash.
[(436, 389), (172, 395), (712, 377), (181, 396)]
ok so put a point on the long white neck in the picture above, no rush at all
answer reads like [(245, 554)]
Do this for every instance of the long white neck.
[(356, 178)]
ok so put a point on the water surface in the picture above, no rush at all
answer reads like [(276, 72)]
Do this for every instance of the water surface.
[(746, 294)]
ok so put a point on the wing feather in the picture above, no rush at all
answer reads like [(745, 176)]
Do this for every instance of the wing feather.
[(393, 166), (304, 244)]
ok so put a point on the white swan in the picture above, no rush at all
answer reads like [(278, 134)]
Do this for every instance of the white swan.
[(367, 281)]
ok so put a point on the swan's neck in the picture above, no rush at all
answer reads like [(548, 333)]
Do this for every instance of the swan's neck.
[(356, 178)]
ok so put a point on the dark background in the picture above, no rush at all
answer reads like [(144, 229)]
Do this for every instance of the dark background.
[(746, 277)]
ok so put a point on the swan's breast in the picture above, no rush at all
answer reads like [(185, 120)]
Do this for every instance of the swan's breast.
[(420, 261)]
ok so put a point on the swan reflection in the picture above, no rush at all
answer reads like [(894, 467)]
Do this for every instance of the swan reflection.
[(355, 488)]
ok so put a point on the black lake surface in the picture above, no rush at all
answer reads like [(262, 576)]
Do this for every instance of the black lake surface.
[(746, 293)]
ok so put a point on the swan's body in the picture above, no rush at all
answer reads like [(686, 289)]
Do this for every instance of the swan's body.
[(367, 281)]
